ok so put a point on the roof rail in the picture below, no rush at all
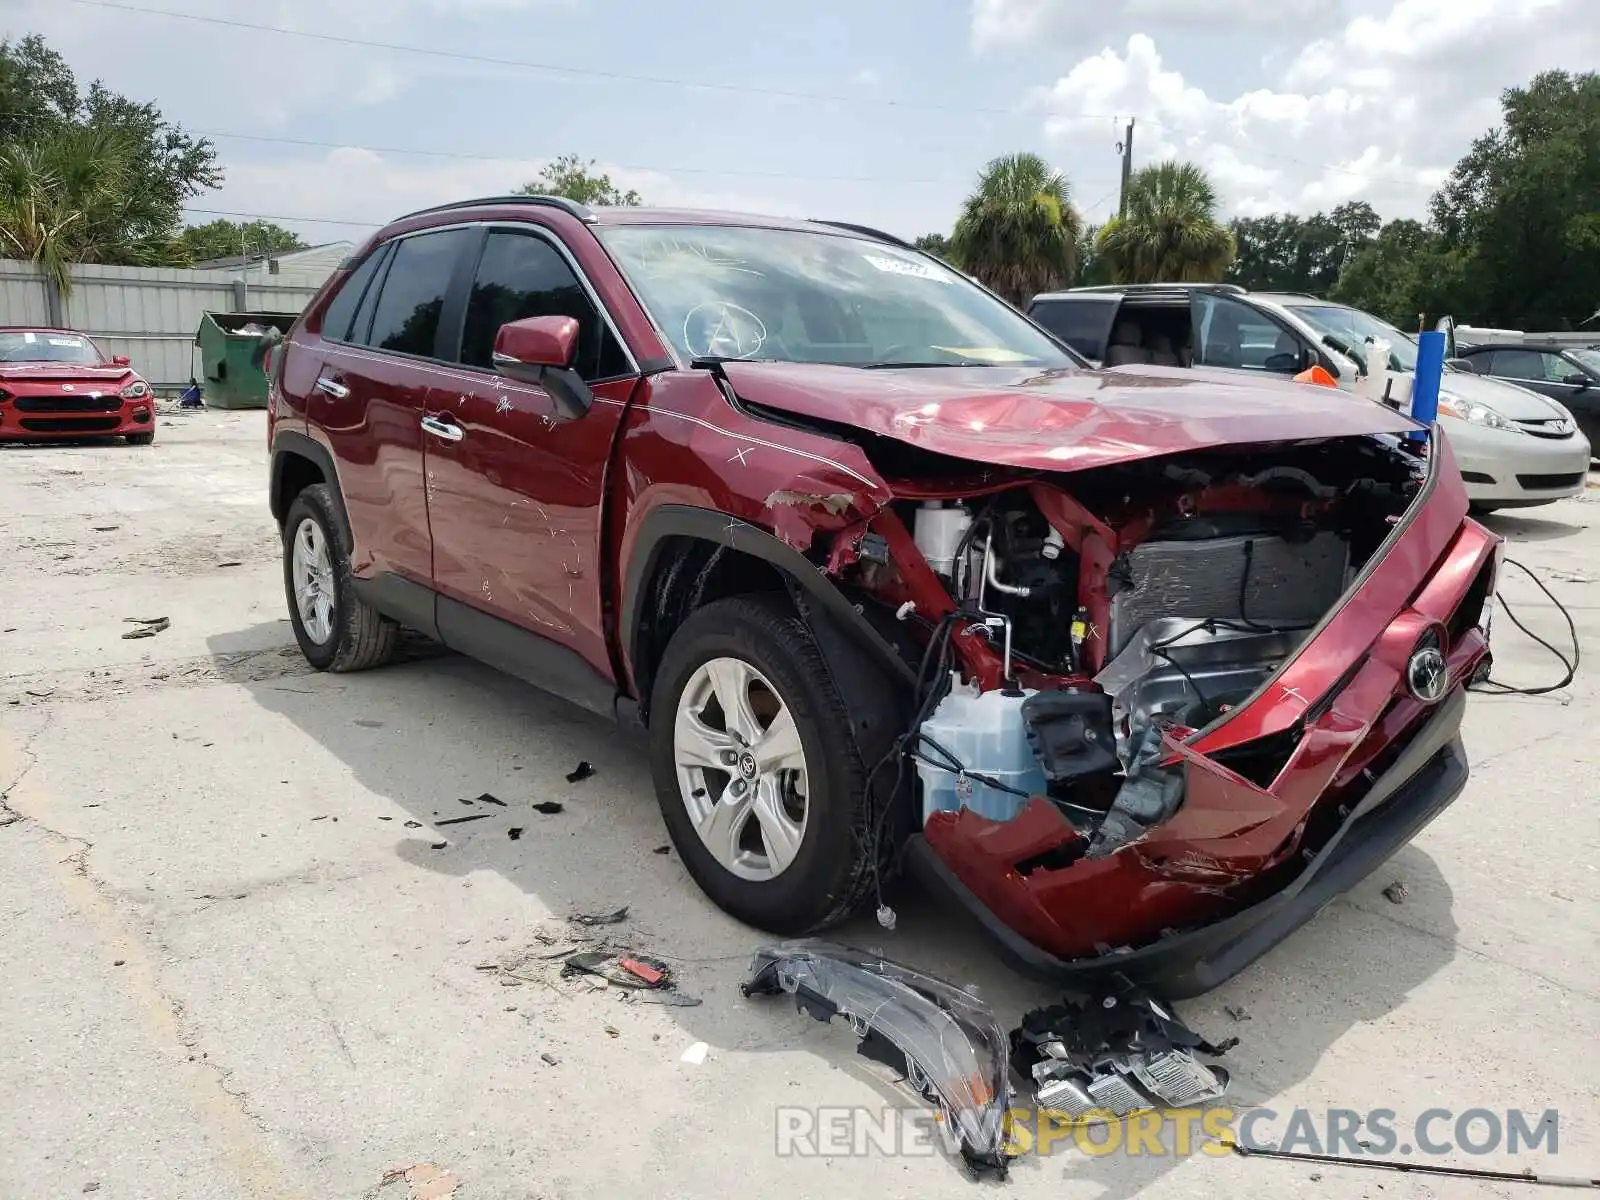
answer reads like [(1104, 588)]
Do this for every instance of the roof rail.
[(1231, 289), (581, 211), (868, 231)]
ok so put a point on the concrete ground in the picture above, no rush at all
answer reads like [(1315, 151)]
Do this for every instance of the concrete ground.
[(237, 966)]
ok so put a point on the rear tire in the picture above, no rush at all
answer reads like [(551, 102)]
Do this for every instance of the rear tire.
[(336, 629), (755, 649), (141, 439)]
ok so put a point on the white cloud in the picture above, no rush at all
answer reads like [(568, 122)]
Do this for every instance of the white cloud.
[(1378, 109), (868, 77), (997, 23)]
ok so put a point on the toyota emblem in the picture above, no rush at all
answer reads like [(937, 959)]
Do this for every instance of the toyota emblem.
[(1428, 675)]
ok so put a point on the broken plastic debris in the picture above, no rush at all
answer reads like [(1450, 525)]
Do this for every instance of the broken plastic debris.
[(550, 1058), (148, 627), (610, 918), (514, 833), (486, 798), (549, 808), (695, 1054), (464, 820), (624, 970), (1115, 1055), (947, 1040), (662, 850), (582, 771), (413, 824)]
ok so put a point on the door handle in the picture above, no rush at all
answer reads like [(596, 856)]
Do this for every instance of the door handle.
[(440, 428), (333, 387)]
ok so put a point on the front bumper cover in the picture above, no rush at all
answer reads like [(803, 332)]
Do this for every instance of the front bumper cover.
[(1424, 780)]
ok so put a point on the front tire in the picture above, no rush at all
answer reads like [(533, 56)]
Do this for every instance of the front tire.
[(336, 629), (141, 439), (757, 771)]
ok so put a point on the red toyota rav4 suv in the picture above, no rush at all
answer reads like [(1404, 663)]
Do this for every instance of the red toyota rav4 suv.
[(1143, 668)]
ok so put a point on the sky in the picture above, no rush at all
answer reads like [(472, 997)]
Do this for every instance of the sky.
[(880, 112)]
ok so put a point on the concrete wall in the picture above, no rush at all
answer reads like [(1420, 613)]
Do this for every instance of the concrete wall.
[(148, 313)]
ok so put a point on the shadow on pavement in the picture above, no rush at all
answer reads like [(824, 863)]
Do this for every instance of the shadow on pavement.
[(1517, 526), (401, 730)]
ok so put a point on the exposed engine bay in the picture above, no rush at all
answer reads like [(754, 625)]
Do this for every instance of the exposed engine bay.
[(1146, 605)]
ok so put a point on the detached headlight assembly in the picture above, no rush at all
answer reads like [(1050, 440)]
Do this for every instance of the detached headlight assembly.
[(139, 389), (1478, 414)]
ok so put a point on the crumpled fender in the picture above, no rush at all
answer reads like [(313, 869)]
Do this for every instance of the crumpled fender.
[(956, 1055)]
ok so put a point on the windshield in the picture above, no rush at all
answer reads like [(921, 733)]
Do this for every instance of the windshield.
[(1350, 328), (798, 296), (1588, 358), (46, 346)]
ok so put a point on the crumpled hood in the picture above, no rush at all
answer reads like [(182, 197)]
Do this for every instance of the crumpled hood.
[(1507, 399), (25, 372), (1060, 420)]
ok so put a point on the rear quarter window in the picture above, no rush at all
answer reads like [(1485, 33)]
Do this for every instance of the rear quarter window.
[(341, 310)]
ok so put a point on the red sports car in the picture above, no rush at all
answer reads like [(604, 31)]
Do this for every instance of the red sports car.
[(56, 384)]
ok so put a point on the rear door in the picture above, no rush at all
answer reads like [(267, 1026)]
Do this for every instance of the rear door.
[(515, 488), (1083, 321), (368, 399)]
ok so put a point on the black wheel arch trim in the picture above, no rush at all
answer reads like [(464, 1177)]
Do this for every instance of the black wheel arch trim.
[(719, 529), (286, 442)]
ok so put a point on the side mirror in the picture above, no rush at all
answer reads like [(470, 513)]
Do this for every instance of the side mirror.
[(540, 350), (1577, 379), (121, 360)]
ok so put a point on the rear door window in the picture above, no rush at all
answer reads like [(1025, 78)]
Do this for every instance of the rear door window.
[(522, 275), (1082, 322), (341, 310), (406, 318)]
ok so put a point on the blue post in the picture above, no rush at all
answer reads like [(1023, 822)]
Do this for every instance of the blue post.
[(1425, 385)]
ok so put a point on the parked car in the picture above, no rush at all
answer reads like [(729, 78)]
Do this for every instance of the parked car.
[(57, 384), (1515, 448), (1571, 376), (1142, 669)]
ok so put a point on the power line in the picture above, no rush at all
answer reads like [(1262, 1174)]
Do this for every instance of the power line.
[(254, 216), (471, 157), (701, 84)]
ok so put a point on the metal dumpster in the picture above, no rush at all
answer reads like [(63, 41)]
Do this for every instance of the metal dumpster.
[(228, 343)]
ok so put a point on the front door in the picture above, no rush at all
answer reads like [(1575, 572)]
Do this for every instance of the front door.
[(514, 488)]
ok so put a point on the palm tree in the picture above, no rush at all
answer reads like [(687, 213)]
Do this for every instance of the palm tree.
[(1018, 233), (1170, 232), (79, 194)]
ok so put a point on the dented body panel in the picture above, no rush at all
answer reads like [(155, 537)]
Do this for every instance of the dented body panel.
[(955, 524)]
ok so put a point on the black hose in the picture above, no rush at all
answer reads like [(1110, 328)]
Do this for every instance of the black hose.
[(1494, 687)]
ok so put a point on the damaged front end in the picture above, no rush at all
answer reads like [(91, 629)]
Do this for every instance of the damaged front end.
[(945, 1040), (1169, 707)]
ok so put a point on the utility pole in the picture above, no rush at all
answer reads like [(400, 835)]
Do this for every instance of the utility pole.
[(244, 267), (1126, 148)]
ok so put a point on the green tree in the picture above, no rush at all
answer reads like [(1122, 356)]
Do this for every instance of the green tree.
[(1018, 232), (1521, 210), (1281, 252), (935, 244), (89, 176), (225, 239), (577, 180), (1170, 231), (78, 196)]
